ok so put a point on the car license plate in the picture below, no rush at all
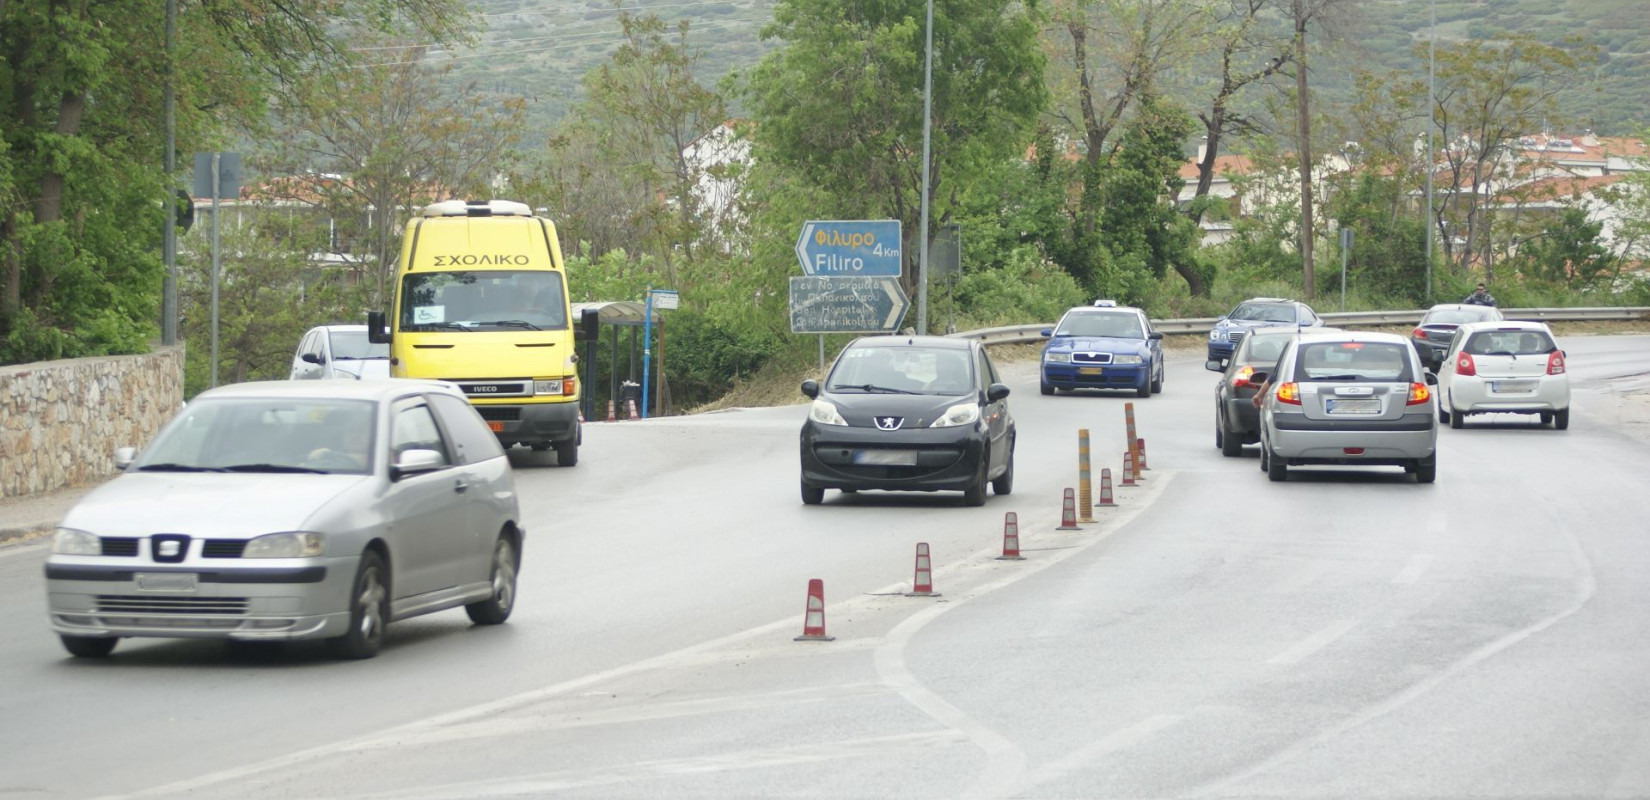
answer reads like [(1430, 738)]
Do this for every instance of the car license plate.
[(1090, 371), (1368, 405), (166, 581), (886, 458), (495, 426), (1512, 387)]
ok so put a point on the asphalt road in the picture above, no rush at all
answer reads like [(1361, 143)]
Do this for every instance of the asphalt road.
[(1348, 633)]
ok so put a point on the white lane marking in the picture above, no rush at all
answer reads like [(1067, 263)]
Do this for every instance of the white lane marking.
[(545, 783), (1586, 584), (586, 718), (1315, 642), (306, 758), (1086, 756), (1417, 566)]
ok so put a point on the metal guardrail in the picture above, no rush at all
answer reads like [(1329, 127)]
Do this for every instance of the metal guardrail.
[(1015, 334)]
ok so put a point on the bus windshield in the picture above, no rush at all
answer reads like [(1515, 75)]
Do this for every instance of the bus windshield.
[(484, 300)]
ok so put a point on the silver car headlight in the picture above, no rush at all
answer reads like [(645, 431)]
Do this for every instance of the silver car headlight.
[(1217, 335), (1057, 358), (825, 414), (1125, 359), (301, 544), (70, 542), (959, 414)]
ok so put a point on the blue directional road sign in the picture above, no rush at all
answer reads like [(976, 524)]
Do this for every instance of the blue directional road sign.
[(850, 247), (847, 304)]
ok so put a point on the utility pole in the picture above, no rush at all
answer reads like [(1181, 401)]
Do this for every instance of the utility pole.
[(922, 227), (169, 242), (1430, 165)]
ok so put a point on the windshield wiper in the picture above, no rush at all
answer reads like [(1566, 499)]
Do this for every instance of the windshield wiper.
[(273, 468), (871, 387), (443, 326), (514, 323), (169, 467)]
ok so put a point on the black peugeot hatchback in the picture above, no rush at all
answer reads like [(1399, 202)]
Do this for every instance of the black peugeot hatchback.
[(909, 413)]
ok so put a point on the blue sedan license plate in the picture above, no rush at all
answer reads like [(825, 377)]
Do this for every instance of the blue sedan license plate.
[(886, 458)]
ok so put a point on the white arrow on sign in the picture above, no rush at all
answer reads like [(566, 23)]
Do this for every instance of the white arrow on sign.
[(897, 303), (802, 247)]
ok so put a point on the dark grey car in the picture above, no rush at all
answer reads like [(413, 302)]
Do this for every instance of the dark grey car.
[(1237, 420), (1432, 335)]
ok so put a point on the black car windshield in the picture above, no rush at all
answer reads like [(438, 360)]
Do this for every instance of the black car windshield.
[(265, 435), (483, 300), (1353, 361), (353, 346), (1264, 312), (1116, 325), (902, 369)]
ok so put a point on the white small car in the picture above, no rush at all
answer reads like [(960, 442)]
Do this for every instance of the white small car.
[(1504, 367), (339, 351)]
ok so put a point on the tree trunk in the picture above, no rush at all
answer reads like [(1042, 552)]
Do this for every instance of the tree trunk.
[(1305, 134)]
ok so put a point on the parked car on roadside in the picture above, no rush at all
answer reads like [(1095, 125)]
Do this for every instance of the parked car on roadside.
[(908, 413), (1237, 420), (1348, 398), (1432, 335), (1504, 367), (1258, 312), (293, 510), (1102, 347), (339, 351)]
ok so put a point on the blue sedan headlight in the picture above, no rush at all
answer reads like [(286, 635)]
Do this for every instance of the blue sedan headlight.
[(1057, 358), (1217, 335), (1120, 359)]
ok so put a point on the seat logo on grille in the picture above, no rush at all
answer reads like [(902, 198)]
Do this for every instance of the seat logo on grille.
[(889, 423), (170, 547)]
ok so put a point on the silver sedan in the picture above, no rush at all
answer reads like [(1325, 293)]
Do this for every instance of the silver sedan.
[(293, 510)]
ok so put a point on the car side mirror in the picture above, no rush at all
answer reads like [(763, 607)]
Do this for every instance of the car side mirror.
[(1258, 378), (413, 462), (1155, 335), (1220, 318), (995, 392), (1215, 365), (1432, 379), (377, 331), (810, 388), (590, 325), (124, 456), (1046, 332), (312, 358)]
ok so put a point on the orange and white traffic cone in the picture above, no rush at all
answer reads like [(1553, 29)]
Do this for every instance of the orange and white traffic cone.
[(1068, 512), (922, 583), (1140, 448), (1011, 538), (813, 620), (1128, 470), (1105, 490), (611, 416)]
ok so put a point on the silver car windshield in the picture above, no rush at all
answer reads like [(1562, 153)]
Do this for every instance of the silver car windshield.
[(261, 435), (353, 346), (1353, 361), (903, 370)]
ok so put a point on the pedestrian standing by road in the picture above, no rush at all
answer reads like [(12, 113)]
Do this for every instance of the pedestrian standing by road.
[(1480, 297)]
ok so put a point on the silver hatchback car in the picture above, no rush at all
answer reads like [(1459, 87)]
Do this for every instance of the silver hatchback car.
[(293, 510), (1351, 399)]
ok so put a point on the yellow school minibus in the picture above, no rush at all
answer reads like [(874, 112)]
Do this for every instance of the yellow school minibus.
[(481, 302)]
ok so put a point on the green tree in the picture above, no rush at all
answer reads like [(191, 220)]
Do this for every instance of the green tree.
[(1388, 257), (81, 189), (1142, 231), (1566, 251), (840, 104)]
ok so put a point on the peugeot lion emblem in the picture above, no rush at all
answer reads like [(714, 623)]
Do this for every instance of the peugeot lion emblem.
[(889, 423)]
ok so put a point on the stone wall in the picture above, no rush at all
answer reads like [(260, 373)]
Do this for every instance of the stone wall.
[(60, 421)]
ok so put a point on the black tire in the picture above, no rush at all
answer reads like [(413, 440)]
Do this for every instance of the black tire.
[(1004, 483), (975, 495), (1145, 389), (89, 646), (1561, 420), (1231, 445), (567, 452), (1220, 430), (1443, 413), (369, 611), (812, 495), (1546, 418), (1045, 388), (1457, 420), (506, 566), (1426, 469), (1157, 382), (1276, 470)]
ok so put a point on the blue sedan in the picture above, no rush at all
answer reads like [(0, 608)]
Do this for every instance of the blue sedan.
[(1107, 347)]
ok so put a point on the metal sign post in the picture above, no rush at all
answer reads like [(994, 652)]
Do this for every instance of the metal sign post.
[(217, 175), (663, 298), (1346, 249)]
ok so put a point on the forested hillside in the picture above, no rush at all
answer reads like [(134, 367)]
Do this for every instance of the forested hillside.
[(539, 49)]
